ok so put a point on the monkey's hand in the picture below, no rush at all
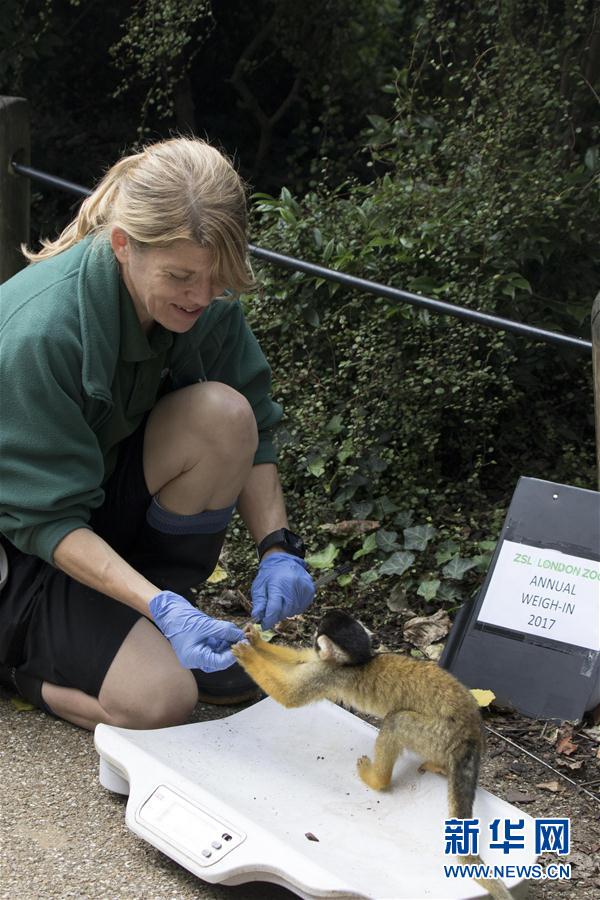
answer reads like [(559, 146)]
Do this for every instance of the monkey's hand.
[(243, 651), (252, 635)]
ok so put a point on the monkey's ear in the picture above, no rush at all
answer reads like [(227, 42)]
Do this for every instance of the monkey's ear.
[(329, 651)]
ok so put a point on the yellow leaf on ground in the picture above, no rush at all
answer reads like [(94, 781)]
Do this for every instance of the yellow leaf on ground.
[(21, 705), (484, 698), (218, 575)]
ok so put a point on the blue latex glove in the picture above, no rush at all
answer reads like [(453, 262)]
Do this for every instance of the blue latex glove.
[(282, 588), (199, 641)]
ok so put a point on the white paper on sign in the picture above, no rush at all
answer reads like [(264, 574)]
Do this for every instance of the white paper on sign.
[(546, 593)]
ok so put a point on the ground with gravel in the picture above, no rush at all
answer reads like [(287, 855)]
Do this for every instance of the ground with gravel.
[(62, 835)]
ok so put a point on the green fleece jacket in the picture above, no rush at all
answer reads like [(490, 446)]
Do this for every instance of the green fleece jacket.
[(59, 349)]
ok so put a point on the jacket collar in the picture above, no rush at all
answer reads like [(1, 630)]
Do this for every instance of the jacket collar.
[(98, 299)]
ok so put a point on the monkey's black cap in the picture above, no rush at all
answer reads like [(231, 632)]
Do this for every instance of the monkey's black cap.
[(348, 634)]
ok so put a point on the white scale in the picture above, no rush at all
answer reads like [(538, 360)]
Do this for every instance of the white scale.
[(271, 794)]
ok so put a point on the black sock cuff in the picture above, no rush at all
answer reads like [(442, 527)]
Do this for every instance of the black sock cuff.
[(210, 521)]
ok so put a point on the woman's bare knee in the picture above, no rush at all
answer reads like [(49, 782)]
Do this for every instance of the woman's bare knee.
[(209, 426), (146, 687)]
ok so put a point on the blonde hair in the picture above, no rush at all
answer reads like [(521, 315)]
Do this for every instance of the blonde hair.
[(181, 188)]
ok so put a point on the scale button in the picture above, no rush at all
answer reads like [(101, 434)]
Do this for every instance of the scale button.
[(207, 853), (216, 844)]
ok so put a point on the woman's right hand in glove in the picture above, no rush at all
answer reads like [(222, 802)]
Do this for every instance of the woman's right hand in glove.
[(199, 641)]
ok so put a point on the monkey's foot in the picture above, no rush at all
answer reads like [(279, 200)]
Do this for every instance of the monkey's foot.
[(370, 776), (432, 767)]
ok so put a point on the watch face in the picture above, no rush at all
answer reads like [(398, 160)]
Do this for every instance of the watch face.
[(293, 540)]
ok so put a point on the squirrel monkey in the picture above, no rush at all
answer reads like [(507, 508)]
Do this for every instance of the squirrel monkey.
[(423, 707)]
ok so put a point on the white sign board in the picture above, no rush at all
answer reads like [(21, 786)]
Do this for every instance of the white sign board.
[(545, 593)]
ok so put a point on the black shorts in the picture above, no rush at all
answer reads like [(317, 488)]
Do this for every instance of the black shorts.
[(52, 628)]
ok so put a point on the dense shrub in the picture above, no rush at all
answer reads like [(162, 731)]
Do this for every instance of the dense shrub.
[(485, 193)]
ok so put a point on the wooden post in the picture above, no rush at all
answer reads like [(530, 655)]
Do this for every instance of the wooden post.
[(596, 370), (14, 189)]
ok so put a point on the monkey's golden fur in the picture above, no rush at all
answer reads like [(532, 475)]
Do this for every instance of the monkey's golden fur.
[(423, 709)]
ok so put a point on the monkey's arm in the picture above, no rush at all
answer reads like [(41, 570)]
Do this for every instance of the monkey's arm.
[(291, 683), (276, 651)]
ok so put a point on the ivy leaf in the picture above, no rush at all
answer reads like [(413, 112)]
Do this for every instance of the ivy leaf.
[(316, 466), (384, 507), (457, 567), (446, 551), (311, 316), (483, 561), (429, 589), (386, 540), (487, 546), (362, 509), (345, 451), (334, 425), (369, 545), (404, 518), (418, 536), (397, 563), (449, 592), (325, 559), (370, 576)]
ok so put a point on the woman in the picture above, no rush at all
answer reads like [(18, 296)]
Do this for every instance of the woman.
[(136, 415)]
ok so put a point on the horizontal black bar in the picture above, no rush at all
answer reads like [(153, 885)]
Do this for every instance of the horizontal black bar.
[(361, 284), (438, 306), (51, 180)]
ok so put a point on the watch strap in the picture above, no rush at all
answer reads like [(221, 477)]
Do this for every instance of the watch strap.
[(284, 538)]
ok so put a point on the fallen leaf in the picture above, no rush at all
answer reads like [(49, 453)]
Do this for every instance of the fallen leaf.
[(351, 526), (554, 786), (572, 764), (291, 628), (398, 598), (484, 698), (234, 599), (425, 630), (21, 705), (217, 575), (433, 651), (551, 735), (311, 836), (264, 634), (565, 745), (516, 796)]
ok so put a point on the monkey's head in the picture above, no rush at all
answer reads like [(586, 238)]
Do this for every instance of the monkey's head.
[(341, 639)]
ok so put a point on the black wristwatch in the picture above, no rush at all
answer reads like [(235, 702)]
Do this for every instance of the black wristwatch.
[(285, 539)]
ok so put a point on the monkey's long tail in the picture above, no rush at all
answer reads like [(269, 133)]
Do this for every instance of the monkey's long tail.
[(462, 784)]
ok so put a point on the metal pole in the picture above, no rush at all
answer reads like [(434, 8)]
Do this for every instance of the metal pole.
[(15, 192), (596, 371)]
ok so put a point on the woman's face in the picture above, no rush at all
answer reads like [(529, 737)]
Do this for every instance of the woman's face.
[(171, 286)]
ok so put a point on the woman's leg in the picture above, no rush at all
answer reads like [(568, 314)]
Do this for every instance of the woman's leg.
[(145, 687), (199, 447)]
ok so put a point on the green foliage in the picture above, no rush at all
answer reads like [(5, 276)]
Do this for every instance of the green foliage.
[(160, 41), (485, 193)]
